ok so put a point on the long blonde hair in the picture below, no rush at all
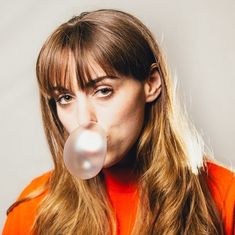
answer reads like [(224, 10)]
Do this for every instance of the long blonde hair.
[(170, 157)]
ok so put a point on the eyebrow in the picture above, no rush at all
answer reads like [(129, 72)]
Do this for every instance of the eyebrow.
[(89, 84), (99, 79)]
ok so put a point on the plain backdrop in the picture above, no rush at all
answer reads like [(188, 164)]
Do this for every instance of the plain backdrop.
[(197, 37)]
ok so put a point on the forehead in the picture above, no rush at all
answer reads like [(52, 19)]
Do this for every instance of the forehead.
[(94, 71), (73, 76)]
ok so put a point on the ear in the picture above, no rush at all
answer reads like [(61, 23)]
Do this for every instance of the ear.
[(152, 86)]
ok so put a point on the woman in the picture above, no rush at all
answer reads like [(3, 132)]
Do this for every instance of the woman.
[(105, 66)]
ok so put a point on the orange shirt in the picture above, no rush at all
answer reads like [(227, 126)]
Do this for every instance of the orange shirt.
[(222, 188), (20, 219), (124, 198)]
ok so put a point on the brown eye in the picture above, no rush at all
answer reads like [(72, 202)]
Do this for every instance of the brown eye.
[(104, 91), (64, 99)]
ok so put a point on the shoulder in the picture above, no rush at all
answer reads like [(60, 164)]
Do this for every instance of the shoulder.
[(221, 182), (23, 212), (35, 184), (220, 178), (215, 167)]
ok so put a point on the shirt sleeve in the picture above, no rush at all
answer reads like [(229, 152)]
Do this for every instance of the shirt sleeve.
[(21, 218), (229, 209), (222, 186)]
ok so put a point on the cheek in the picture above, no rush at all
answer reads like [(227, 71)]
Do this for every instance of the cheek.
[(131, 123), (67, 119), (127, 120), (124, 131)]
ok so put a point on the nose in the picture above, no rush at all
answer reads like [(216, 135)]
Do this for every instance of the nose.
[(84, 110)]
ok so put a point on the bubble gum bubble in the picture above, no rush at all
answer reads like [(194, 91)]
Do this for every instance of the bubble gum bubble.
[(85, 151)]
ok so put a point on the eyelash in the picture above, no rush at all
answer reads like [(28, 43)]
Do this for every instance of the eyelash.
[(61, 97), (59, 100)]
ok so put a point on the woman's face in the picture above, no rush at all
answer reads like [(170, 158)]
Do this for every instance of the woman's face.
[(116, 104)]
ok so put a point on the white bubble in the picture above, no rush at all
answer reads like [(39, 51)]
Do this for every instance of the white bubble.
[(86, 165), (85, 151)]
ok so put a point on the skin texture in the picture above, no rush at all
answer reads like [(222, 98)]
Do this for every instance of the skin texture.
[(117, 105)]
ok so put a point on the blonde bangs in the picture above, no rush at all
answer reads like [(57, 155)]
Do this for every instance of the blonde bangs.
[(55, 68), (58, 69)]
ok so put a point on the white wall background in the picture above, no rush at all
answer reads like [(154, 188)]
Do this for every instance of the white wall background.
[(197, 36)]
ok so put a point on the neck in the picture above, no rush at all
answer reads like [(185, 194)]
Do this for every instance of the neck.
[(123, 171)]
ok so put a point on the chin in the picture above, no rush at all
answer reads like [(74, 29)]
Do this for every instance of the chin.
[(109, 163)]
